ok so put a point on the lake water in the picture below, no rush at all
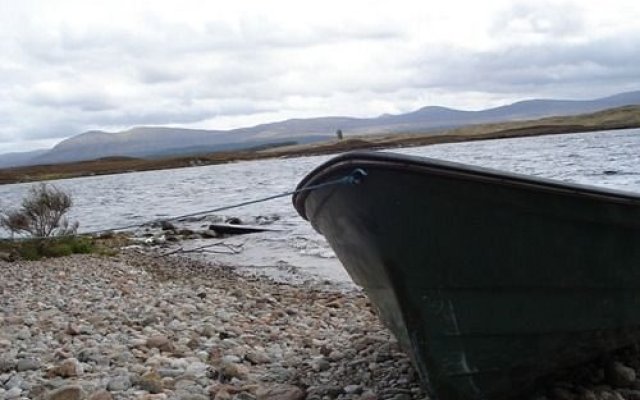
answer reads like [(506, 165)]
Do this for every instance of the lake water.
[(608, 158)]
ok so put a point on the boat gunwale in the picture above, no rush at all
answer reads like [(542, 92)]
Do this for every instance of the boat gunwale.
[(418, 164)]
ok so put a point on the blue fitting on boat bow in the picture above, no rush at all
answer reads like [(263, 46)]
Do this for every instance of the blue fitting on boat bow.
[(356, 176)]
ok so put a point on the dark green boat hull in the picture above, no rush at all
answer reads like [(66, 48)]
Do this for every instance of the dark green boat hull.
[(489, 280)]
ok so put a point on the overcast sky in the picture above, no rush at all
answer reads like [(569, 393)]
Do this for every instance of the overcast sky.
[(70, 66)]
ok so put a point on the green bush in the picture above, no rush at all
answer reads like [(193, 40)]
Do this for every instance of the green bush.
[(57, 250), (82, 246), (35, 249), (29, 250)]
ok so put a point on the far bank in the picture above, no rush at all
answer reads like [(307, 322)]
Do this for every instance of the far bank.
[(613, 119)]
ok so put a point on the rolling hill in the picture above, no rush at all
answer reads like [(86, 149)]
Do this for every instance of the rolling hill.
[(153, 142)]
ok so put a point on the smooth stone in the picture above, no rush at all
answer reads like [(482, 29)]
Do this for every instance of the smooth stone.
[(7, 365), (101, 395), (13, 320), (231, 359), (196, 369), (12, 393), (628, 394), (119, 383), (325, 390), (619, 375), (320, 364), (89, 355), (160, 342), (258, 357), (192, 396), (167, 226), (28, 364), (170, 372), (280, 392), (209, 331), (353, 389), (233, 370), (151, 382), (188, 385), (68, 368), (223, 395), (244, 396), (14, 381), (279, 374), (72, 392), (157, 396)]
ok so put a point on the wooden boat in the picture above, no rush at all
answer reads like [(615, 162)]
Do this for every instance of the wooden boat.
[(490, 280)]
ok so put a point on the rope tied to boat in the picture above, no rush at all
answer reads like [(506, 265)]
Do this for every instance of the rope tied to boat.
[(353, 178)]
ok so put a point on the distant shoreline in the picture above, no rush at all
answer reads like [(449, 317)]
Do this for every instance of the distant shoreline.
[(614, 119)]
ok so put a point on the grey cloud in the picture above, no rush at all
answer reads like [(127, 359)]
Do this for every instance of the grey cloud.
[(159, 74), (60, 124), (155, 116), (167, 40), (51, 130), (528, 67), (262, 33), (89, 102)]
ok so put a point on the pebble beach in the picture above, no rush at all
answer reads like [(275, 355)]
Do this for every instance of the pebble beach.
[(138, 325)]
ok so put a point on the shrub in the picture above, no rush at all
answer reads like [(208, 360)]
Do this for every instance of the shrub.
[(56, 249), (29, 250), (42, 213), (82, 246), (37, 248), (42, 217)]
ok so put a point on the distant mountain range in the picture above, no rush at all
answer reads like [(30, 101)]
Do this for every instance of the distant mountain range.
[(151, 142)]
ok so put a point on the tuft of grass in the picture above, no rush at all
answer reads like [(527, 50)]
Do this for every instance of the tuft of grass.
[(53, 250), (82, 245), (29, 250), (36, 249)]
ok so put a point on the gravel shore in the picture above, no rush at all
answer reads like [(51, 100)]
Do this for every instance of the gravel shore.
[(139, 326), (135, 326)]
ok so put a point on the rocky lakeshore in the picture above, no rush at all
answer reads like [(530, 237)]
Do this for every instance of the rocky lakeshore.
[(139, 326)]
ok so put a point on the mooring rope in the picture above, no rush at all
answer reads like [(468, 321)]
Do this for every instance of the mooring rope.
[(354, 177)]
